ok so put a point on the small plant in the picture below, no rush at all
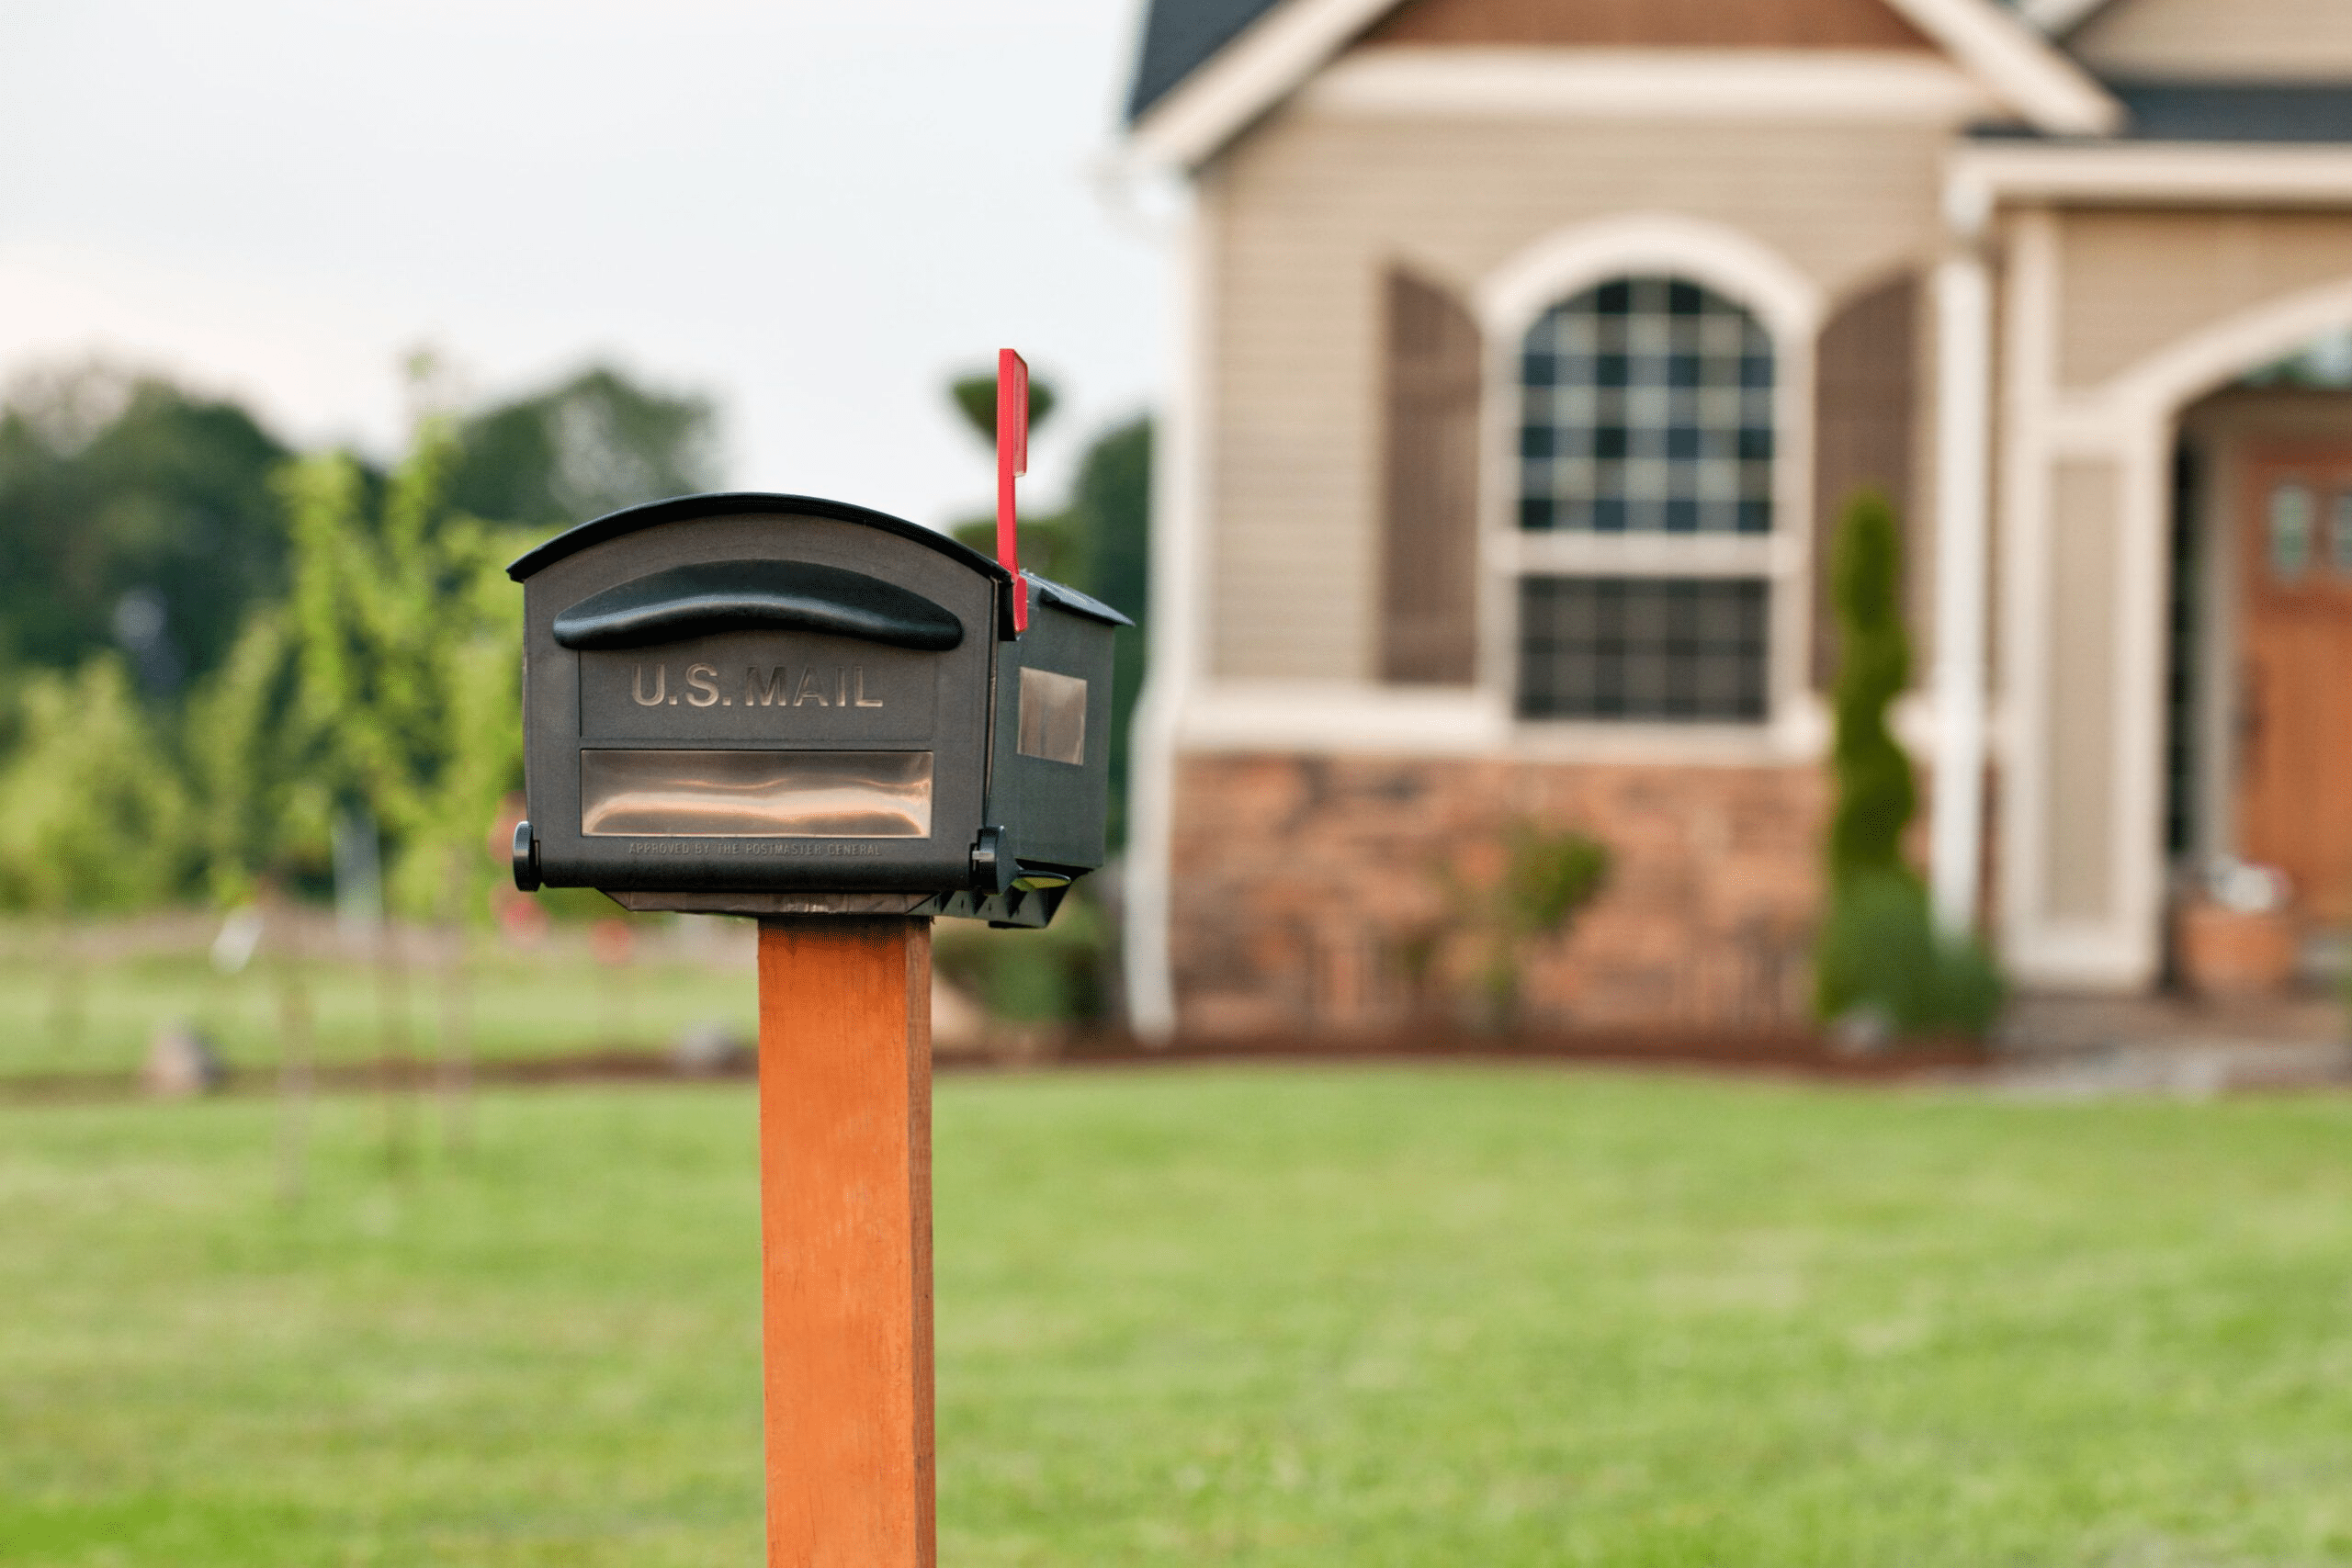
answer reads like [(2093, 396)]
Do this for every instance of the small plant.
[(1051, 979), (1547, 878), (1880, 957)]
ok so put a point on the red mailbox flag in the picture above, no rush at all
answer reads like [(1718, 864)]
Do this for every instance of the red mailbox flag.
[(1012, 462)]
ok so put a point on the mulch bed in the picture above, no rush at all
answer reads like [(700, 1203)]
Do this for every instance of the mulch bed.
[(1784, 1053), (1799, 1053)]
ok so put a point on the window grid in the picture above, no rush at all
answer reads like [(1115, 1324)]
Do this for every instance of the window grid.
[(1647, 406), (1673, 648)]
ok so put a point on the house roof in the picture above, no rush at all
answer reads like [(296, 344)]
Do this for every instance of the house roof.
[(2279, 114), (2236, 111), (1179, 37), (1207, 68)]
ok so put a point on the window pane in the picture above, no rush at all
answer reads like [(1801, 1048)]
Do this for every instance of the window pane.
[(1666, 387), (1686, 650), (2290, 530)]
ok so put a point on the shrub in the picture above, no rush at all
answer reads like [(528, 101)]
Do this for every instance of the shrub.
[(1876, 797), (1879, 951), (1879, 954), (1050, 977)]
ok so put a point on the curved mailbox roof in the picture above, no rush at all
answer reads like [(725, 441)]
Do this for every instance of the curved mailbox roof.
[(736, 503), (754, 602)]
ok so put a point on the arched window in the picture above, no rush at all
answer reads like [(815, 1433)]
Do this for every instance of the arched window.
[(1646, 409)]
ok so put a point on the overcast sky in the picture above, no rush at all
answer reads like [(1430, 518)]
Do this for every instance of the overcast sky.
[(812, 211)]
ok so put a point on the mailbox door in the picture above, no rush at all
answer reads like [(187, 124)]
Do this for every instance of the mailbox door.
[(675, 753)]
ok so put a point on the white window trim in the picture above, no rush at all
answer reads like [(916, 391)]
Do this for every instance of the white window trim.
[(1790, 308)]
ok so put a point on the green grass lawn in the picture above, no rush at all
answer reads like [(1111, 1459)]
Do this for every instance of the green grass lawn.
[(520, 1005), (1443, 1317)]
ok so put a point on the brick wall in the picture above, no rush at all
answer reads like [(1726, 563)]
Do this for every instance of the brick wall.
[(1312, 891)]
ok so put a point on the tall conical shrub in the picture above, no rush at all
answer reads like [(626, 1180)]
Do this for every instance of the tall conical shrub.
[(1876, 797), (1879, 951)]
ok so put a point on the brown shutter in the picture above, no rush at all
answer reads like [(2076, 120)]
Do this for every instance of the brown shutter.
[(1866, 369), (1428, 622)]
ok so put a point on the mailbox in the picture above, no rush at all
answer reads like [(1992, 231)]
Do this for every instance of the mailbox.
[(769, 704)]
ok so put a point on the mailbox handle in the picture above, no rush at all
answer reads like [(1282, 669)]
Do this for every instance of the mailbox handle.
[(757, 595)]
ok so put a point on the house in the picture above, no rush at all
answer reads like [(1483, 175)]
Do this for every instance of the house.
[(1531, 347)]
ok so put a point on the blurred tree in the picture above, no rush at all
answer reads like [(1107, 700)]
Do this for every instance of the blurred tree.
[(406, 637), (1110, 511), (91, 812), (406, 642), (258, 769), (975, 398), (588, 446), (132, 514)]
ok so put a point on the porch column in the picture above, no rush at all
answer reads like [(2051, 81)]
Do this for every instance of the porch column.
[(1964, 462)]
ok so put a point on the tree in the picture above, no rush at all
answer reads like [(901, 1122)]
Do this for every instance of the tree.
[(406, 639), (975, 398), (1110, 516), (132, 514), (91, 812), (257, 767), (590, 445)]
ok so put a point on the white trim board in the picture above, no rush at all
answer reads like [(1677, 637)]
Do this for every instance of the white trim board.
[(1357, 718), (2183, 174), (1275, 55), (1176, 624), (2059, 18), (1815, 85)]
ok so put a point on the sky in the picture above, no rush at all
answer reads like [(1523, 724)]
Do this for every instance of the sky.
[(813, 212)]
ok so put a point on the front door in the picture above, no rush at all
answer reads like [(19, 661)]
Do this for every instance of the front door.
[(2294, 753)]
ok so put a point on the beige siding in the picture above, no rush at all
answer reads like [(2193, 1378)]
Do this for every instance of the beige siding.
[(2079, 871), (2135, 282), (2219, 38), (1311, 211)]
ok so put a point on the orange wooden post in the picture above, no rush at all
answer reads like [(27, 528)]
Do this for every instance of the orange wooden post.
[(845, 1240)]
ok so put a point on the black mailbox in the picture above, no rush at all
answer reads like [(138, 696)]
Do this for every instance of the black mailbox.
[(769, 704)]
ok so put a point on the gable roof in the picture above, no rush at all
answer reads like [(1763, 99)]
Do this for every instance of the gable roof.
[(1179, 35), (1207, 68), (2276, 113)]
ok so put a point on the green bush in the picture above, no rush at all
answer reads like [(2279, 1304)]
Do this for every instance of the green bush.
[(1880, 953), (1030, 978)]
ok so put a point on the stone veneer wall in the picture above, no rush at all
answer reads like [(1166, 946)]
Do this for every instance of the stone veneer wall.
[(1304, 884)]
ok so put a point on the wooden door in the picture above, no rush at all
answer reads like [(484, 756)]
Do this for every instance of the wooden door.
[(2294, 762)]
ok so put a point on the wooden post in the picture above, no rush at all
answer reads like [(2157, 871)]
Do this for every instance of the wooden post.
[(845, 1240)]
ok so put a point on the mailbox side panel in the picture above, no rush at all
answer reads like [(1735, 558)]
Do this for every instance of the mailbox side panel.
[(1055, 808), (646, 738)]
